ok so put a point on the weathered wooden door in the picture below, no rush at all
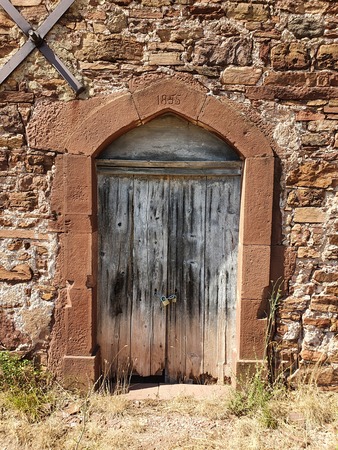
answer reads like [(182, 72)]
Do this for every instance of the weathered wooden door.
[(167, 229)]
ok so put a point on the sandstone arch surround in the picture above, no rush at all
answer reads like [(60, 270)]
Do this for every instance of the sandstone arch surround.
[(73, 351)]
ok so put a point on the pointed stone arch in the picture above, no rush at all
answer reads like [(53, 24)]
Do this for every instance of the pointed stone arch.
[(95, 124)]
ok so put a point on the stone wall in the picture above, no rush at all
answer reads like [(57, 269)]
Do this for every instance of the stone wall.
[(277, 60)]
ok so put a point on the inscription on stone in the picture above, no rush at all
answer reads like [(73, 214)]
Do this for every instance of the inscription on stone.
[(173, 99)]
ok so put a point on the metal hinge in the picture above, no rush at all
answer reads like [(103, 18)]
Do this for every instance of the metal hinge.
[(36, 40)]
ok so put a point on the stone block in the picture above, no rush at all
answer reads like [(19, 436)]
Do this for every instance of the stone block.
[(290, 78), (327, 56), (145, 14), (79, 198), (323, 276), (26, 2), (34, 14), (313, 174), (241, 75), (248, 11), (290, 92), (165, 46), (102, 124), (168, 95), (165, 59), (306, 197), (80, 371), (333, 239), (252, 330), (307, 252), (61, 119), (206, 11), (78, 223), (116, 20), (290, 56), (79, 321), (235, 50), (244, 371), (5, 21), (332, 290), (324, 303), (78, 258), (155, 3), (109, 48), (312, 355), (23, 201), (323, 125), (253, 271), (306, 26), (330, 109), (315, 139), (299, 235), (21, 272), (223, 118), (306, 115), (6, 46), (309, 215), (256, 203), (36, 322)]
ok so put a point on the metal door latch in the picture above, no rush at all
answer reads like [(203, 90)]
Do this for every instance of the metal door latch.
[(36, 40)]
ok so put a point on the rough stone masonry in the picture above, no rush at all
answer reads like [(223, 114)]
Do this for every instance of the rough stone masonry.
[(276, 60)]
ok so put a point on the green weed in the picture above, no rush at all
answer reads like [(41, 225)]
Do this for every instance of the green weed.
[(26, 388), (254, 399)]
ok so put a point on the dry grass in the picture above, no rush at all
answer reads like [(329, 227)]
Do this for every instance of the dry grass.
[(304, 418)]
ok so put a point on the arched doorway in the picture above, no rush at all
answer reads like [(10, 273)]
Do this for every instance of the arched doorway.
[(168, 224), (95, 123)]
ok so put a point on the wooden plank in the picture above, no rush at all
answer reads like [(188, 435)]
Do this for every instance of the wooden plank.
[(114, 271), (186, 275), (169, 164), (149, 275), (231, 250), (157, 269), (216, 277), (164, 171), (193, 272), (175, 357)]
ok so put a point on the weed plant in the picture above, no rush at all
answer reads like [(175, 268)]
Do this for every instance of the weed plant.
[(25, 387), (258, 391)]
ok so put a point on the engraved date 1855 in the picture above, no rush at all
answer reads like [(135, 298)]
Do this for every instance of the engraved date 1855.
[(165, 99)]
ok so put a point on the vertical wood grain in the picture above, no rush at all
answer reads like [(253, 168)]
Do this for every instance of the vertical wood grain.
[(149, 274), (186, 275), (168, 235), (115, 228)]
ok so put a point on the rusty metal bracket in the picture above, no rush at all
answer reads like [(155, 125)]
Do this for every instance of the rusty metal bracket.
[(36, 40)]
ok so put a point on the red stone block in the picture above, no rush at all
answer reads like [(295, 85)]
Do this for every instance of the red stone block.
[(243, 135), (81, 371), (78, 258), (102, 125), (251, 330), (254, 271), (78, 173), (168, 95), (256, 205), (79, 321)]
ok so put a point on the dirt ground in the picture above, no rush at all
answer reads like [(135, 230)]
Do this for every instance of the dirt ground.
[(171, 418)]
